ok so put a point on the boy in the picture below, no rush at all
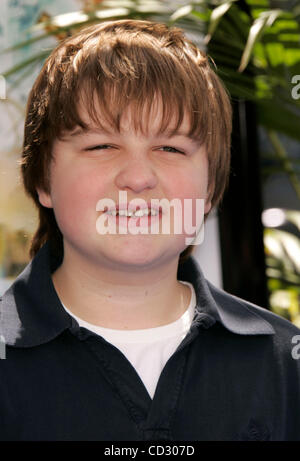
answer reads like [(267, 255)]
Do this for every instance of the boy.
[(117, 336)]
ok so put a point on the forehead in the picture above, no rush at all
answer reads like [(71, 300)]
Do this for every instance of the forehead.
[(149, 119)]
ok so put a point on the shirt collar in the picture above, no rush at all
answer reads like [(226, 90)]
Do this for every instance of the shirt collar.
[(235, 314), (31, 312)]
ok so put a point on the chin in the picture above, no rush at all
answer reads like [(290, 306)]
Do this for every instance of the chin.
[(134, 258)]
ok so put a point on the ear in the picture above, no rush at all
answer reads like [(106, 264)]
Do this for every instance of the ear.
[(207, 206), (208, 198), (44, 198)]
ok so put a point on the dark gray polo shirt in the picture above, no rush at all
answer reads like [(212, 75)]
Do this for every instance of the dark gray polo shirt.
[(233, 377)]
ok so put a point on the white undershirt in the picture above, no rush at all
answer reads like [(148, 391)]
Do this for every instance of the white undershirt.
[(148, 350)]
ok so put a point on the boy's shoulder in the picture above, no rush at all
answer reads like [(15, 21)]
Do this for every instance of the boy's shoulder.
[(236, 314), (30, 310), (233, 304), (284, 336)]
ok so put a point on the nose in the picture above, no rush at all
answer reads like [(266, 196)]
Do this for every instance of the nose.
[(137, 174)]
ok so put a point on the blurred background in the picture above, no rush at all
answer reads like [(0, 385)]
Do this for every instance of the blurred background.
[(252, 241)]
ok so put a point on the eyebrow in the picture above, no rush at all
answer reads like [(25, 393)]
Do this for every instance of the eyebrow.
[(167, 133), (80, 132)]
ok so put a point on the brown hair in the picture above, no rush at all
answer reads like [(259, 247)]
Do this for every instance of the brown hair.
[(125, 62)]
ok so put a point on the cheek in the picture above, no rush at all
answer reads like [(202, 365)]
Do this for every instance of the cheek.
[(192, 184), (74, 198), (189, 188)]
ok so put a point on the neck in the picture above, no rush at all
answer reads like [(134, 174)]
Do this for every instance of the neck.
[(115, 299)]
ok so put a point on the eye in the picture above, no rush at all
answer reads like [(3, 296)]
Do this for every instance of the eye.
[(98, 147), (172, 149)]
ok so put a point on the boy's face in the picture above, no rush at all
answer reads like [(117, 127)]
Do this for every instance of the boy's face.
[(91, 166)]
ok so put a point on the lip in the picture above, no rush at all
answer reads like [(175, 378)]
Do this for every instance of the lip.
[(129, 207), (129, 222)]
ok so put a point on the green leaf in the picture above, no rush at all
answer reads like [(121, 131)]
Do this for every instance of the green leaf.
[(276, 53), (264, 20), (294, 217), (62, 20), (68, 20), (27, 42), (27, 62), (216, 17), (278, 118), (181, 12), (201, 15)]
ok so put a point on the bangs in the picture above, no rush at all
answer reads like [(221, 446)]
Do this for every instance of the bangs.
[(143, 80)]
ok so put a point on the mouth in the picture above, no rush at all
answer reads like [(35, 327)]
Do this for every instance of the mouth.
[(142, 217), (134, 213)]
